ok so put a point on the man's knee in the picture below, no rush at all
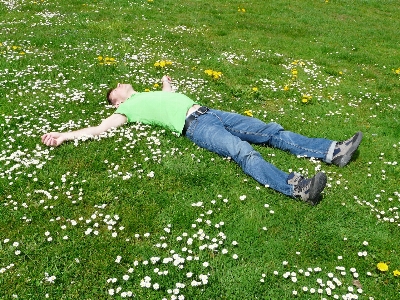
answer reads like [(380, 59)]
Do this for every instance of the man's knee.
[(245, 153), (275, 127)]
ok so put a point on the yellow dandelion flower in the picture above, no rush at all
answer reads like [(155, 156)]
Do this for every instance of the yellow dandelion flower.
[(156, 85), (216, 74), (294, 72), (22, 53), (213, 74), (286, 88), (147, 90), (306, 98), (106, 60), (162, 63), (295, 62), (397, 71), (248, 113), (255, 89), (382, 267), (396, 273), (340, 73)]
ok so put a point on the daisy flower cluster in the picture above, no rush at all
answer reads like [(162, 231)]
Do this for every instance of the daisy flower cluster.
[(304, 79), (13, 250), (339, 283), (48, 18), (390, 215), (329, 285), (49, 278), (233, 58), (183, 29), (12, 51), (194, 258), (12, 5), (97, 224), (385, 204)]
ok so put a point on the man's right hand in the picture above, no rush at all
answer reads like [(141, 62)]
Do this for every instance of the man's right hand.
[(53, 139)]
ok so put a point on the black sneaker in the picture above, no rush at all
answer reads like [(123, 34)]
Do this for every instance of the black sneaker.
[(345, 150), (309, 189)]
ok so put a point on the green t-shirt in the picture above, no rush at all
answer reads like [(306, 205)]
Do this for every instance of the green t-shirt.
[(165, 109)]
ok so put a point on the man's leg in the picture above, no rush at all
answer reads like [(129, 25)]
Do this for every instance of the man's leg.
[(255, 131)]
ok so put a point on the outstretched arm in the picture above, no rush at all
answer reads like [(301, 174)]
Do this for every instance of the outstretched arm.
[(166, 81), (55, 139)]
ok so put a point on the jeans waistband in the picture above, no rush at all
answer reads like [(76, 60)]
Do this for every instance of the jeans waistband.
[(201, 111)]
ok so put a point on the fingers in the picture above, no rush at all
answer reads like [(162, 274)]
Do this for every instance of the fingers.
[(49, 140), (45, 137)]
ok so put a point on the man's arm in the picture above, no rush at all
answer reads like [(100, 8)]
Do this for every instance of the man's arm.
[(166, 81), (55, 139)]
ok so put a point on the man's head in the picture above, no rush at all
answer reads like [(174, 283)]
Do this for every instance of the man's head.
[(118, 95)]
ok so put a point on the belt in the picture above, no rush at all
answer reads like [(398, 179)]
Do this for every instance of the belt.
[(201, 111)]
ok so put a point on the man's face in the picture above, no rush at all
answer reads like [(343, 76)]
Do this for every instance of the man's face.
[(121, 93)]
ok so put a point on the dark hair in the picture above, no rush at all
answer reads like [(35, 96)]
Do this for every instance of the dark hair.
[(108, 96)]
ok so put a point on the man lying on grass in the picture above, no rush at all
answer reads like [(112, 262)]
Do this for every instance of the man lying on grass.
[(227, 134)]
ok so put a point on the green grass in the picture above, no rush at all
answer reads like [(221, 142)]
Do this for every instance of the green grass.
[(70, 212)]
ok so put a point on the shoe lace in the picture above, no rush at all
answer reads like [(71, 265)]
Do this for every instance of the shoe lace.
[(302, 185)]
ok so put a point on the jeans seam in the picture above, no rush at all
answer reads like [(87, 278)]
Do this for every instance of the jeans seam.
[(247, 132)]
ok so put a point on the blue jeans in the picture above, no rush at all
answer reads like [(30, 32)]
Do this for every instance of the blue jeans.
[(230, 135)]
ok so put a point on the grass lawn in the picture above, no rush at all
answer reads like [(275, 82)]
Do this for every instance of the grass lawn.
[(141, 213)]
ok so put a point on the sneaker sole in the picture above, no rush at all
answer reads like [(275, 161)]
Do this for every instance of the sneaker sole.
[(318, 184), (346, 157)]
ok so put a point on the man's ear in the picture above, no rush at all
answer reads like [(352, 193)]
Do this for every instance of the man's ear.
[(117, 103)]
